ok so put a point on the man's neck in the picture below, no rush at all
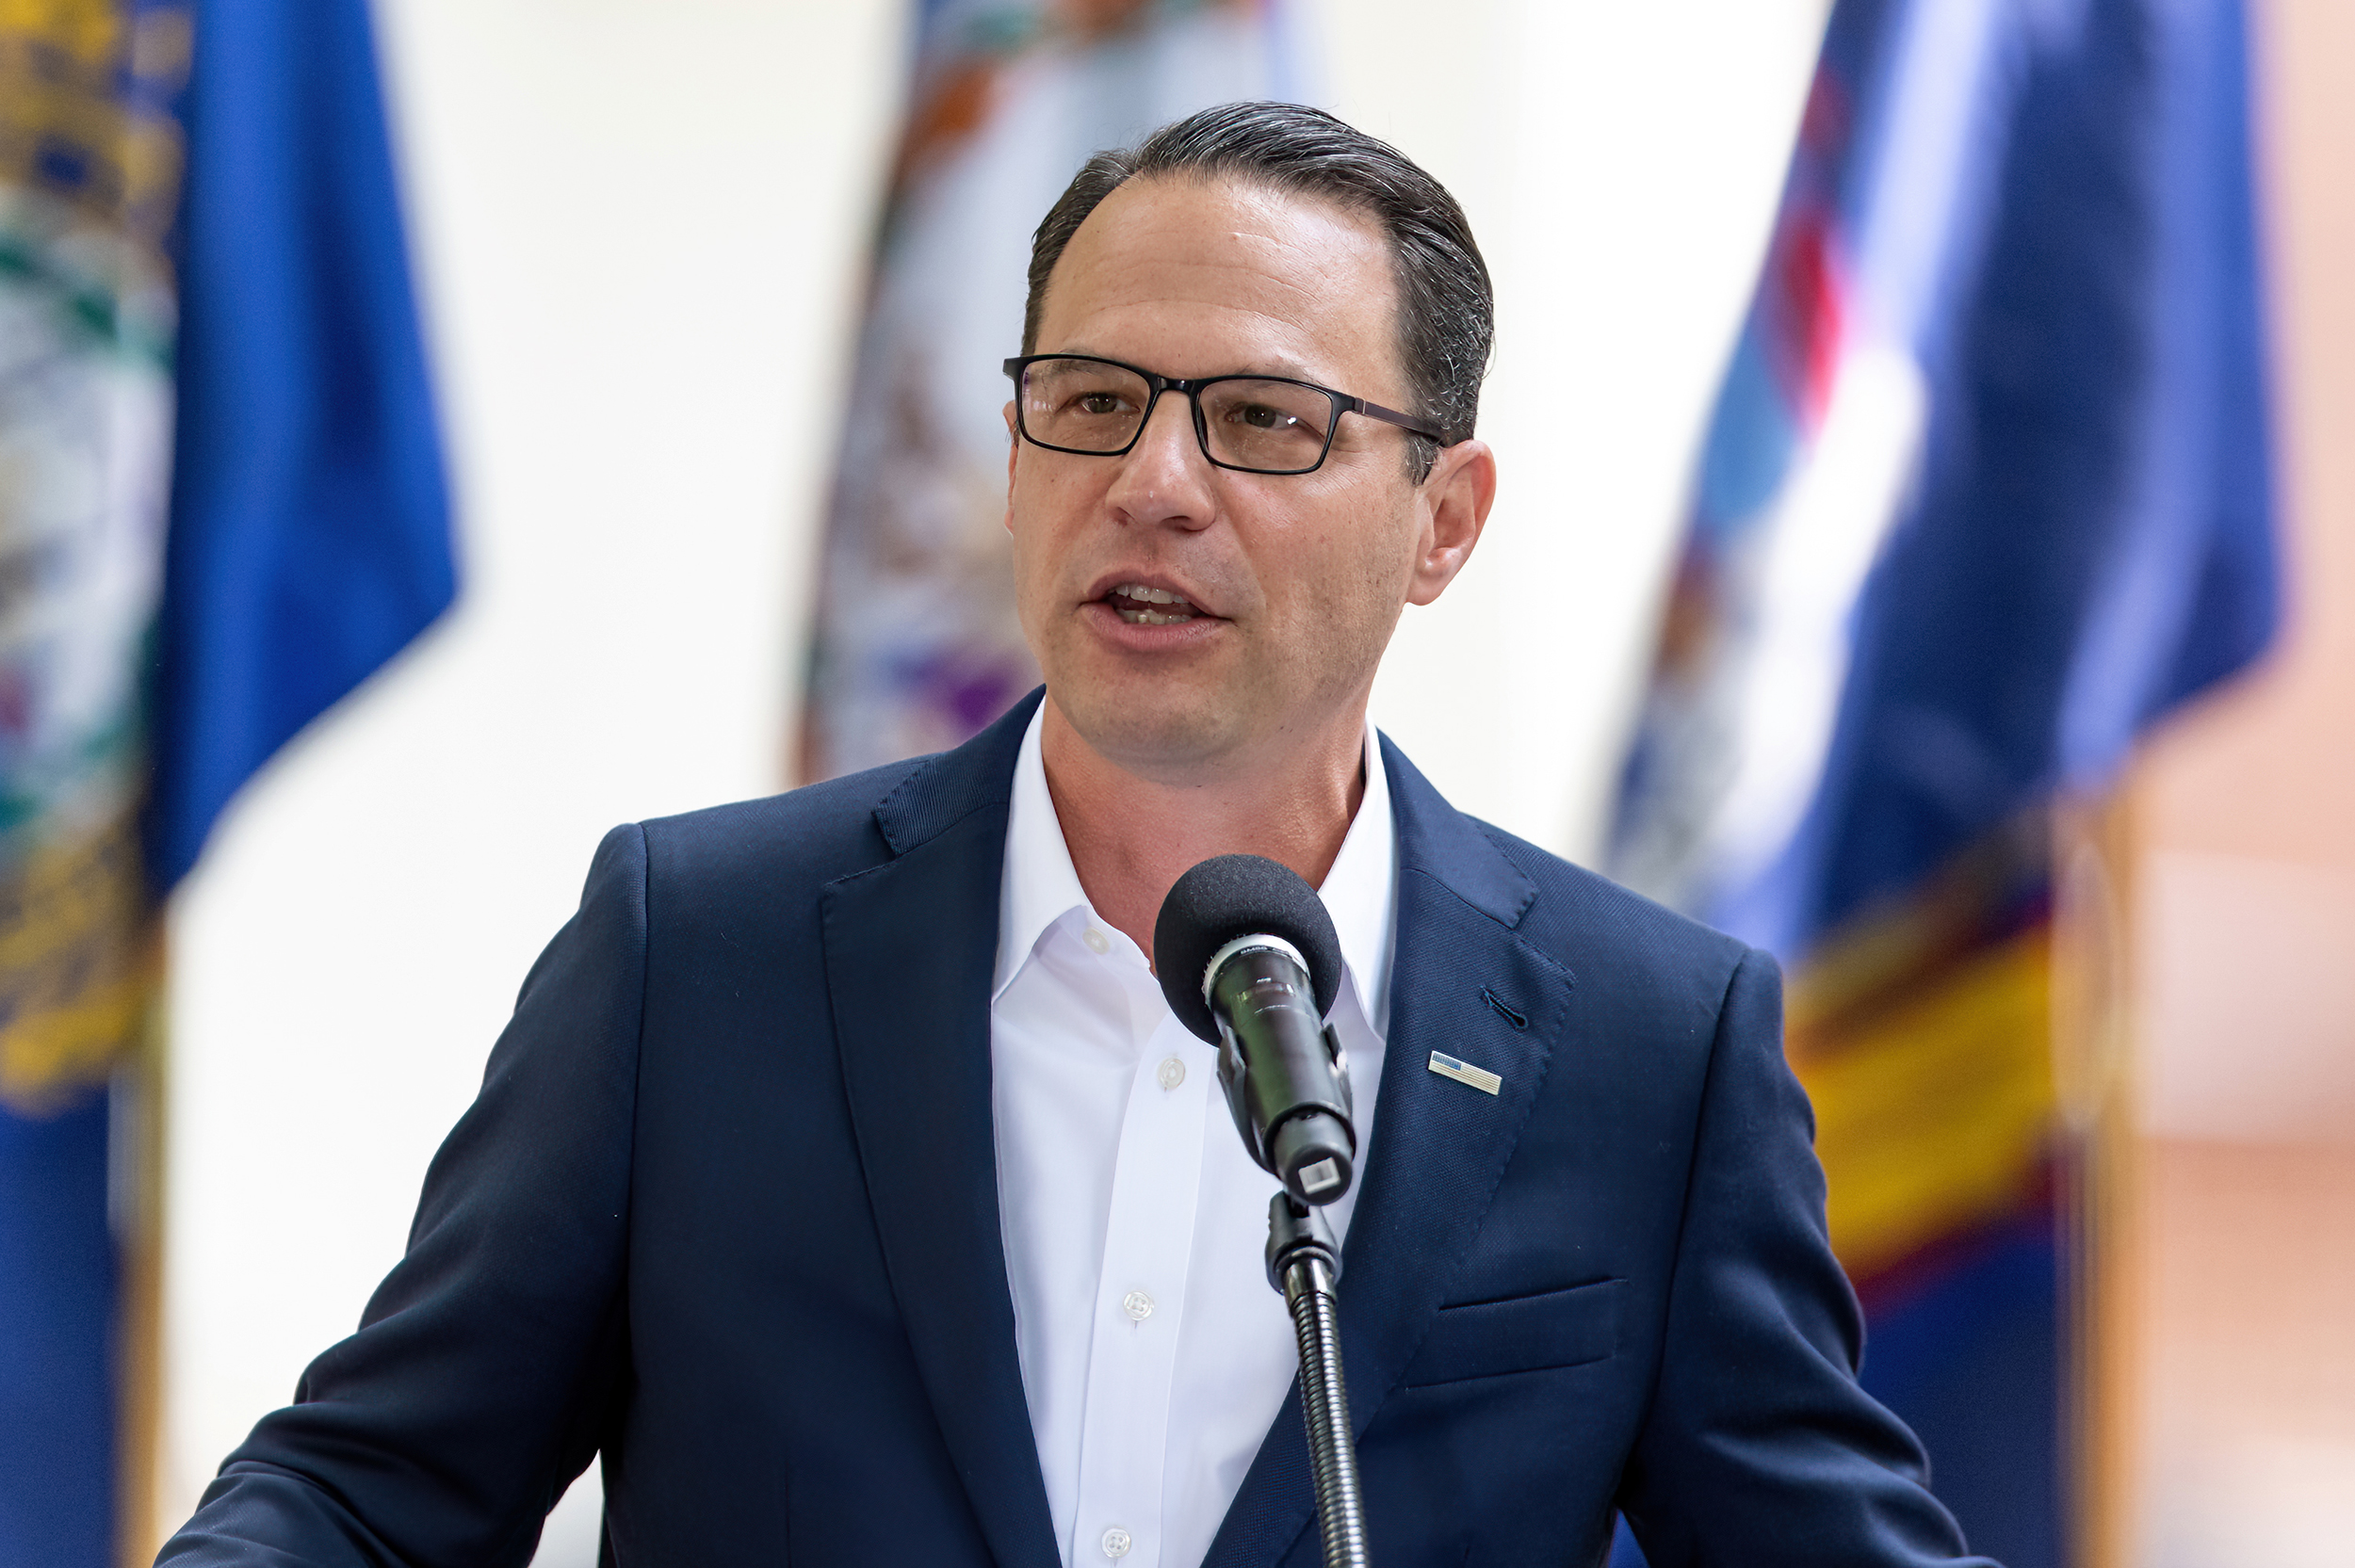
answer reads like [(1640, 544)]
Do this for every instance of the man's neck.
[(1132, 837)]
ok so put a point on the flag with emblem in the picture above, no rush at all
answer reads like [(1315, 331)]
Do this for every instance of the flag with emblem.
[(916, 645), (220, 505), (1985, 495)]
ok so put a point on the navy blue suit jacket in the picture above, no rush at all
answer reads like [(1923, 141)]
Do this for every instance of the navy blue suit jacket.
[(725, 1214)]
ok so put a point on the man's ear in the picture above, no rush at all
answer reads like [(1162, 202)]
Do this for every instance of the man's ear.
[(1456, 498)]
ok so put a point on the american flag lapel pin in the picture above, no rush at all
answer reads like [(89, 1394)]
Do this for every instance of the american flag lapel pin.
[(1464, 1072)]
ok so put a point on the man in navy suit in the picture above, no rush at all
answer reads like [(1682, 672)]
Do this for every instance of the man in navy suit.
[(843, 1183)]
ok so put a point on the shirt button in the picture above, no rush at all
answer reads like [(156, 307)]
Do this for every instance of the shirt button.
[(1097, 941), (1138, 1305), (1116, 1542), (1172, 1074)]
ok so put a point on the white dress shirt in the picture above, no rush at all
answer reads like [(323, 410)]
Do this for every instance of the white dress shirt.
[(1154, 1354)]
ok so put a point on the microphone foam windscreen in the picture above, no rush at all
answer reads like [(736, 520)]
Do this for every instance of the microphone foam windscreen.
[(1231, 896)]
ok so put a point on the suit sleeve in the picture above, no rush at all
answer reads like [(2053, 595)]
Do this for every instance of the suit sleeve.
[(1759, 1448), (491, 1360)]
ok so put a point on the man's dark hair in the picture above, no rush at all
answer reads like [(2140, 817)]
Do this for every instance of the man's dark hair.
[(1446, 309)]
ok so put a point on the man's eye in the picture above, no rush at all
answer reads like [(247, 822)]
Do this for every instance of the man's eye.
[(1260, 416), (1099, 403)]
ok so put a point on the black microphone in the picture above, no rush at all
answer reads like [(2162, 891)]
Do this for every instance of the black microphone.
[(1248, 958)]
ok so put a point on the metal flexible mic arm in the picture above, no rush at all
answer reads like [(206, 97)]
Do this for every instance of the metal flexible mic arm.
[(1249, 961), (1302, 1263)]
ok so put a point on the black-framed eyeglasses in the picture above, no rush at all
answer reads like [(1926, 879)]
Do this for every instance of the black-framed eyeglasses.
[(1252, 423)]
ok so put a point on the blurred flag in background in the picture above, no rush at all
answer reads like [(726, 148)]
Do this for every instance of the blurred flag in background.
[(90, 164), (204, 318), (916, 645), (1985, 493)]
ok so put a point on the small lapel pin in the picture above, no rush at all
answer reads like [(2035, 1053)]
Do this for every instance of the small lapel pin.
[(1464, 1072)]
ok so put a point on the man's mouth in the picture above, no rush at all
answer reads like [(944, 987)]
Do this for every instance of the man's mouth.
[(1141, 605)]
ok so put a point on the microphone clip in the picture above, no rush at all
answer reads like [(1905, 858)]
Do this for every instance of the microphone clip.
[(1298, 1234)]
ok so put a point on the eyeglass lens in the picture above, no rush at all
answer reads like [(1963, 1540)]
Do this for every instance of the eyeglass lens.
[(1086, 406)]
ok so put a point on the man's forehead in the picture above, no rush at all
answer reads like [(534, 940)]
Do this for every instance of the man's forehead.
[(1302, 276), (1226, 223)]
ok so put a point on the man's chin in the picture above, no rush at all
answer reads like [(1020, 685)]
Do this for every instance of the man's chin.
[(1165, 735)]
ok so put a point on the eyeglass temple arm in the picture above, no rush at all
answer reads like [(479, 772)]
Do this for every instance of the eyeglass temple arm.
[(1406, 421)]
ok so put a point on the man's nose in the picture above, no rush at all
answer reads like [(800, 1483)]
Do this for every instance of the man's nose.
[(1164, 476)]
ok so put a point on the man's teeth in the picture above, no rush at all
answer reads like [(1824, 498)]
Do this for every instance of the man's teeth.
[(1133, 602)]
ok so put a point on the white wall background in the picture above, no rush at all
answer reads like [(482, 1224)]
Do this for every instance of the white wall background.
[(640, 227)]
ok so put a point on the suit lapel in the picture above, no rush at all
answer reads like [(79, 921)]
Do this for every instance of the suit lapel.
[(910, 944), (1439, 1146)]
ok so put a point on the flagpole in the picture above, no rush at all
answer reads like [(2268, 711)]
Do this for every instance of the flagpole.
[(135, 1202), (2094, 1062)]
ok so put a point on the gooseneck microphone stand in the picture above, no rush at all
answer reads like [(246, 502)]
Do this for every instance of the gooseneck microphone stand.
[(1302, 1263)]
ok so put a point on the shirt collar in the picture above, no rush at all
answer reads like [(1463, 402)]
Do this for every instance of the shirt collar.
[(1040, 886), (1360, 892)]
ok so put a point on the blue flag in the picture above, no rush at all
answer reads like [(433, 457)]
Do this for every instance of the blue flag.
[(310, 525), (1986, 492), (221, 506)]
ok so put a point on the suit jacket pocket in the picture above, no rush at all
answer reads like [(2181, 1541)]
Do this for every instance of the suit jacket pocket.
[(1526, 1334)]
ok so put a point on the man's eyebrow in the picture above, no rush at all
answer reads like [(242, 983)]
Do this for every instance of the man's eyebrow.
[(1280, 364), (1283, 366)]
